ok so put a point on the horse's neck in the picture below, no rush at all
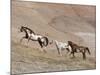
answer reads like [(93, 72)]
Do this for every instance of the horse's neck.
[(25, 31), (29, 30), (74, 44), (71, 45), (56, 42)]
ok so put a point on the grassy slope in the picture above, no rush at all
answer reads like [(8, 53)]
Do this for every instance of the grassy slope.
[(61, 22), (27, 59)]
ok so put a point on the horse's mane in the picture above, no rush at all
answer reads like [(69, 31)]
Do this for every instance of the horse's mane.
[(72, 43), (25, 31), (31, 31)]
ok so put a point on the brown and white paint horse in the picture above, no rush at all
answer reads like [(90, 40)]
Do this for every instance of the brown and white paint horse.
[(30, 35)]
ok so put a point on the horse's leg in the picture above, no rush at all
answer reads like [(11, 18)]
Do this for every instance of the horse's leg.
[(27, 42), (44, 49), (41, 45), (22, 39), (84, 55), (58, 49), (73, 54), (29, 38), (60, 52), (67, 49)]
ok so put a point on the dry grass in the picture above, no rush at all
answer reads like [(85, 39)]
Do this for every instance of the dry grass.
[(61, 22), (26, 60)]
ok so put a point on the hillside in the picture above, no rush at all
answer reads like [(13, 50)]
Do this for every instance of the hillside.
[(62, 22)]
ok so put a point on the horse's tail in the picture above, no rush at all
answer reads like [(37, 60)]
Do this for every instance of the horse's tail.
[(46, 40), (40, 42), (88, 50)]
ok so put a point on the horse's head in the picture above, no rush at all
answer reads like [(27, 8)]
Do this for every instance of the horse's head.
[(51, 42), (69, 42), (21, 29), (54, 42)]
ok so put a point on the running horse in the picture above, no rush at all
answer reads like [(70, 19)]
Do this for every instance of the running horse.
[(61, 46), (31, 35), (78, 49)]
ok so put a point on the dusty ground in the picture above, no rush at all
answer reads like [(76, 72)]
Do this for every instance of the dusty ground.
[(56, 21)]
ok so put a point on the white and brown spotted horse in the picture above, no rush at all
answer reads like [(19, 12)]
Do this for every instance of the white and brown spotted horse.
[(31, 35), (61, 46)]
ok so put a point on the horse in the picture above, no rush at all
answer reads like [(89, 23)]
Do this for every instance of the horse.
[(31, 35), (61, 46), (78, 49), (27, 33)]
